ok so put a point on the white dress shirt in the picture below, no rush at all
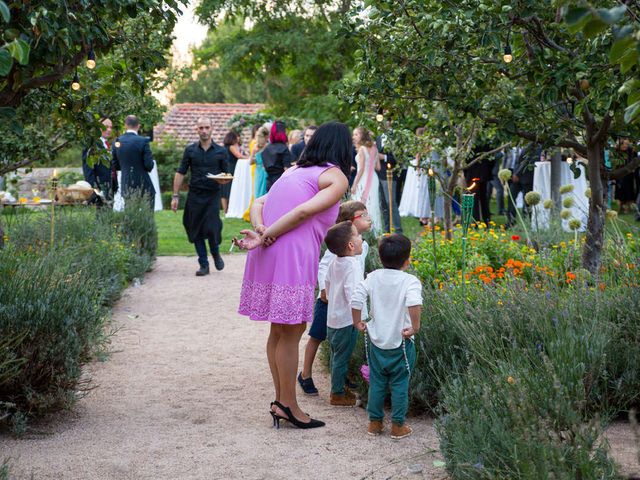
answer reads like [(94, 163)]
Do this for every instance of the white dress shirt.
[(342, 278), (328, 258), (390, 293)]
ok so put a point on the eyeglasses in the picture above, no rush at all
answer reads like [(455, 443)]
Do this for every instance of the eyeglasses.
[(362, 215)]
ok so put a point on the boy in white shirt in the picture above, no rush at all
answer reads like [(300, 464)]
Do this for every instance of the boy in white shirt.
[(395, 305), (343, 276), (356, 213)]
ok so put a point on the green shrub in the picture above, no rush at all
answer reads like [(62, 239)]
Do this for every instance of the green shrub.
[(167, 196), (4, 470), (54, 300)]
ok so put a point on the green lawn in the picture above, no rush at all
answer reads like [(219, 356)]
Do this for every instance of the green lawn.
[(172, 239)]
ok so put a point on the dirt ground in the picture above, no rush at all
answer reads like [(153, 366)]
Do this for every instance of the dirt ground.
[(185, 395)]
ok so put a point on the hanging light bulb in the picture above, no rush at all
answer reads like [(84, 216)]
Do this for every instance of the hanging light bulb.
[(75, 85), (431, 172), (379, 116), (507, 57), (91, 59)]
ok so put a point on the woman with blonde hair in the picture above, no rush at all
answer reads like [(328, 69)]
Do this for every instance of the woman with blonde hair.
[(365, 185)]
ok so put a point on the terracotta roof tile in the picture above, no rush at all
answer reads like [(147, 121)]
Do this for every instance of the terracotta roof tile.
[(180, 120)]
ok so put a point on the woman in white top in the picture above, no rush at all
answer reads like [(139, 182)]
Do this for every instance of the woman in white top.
[(365, 185)]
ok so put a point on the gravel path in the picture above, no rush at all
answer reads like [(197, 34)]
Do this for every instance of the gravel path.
[(185, 395)]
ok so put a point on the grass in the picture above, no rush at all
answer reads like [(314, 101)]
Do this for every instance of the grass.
[(172, 239)]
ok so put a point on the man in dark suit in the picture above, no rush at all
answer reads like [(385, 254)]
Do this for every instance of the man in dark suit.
[(296, 149), (132, 155), (387, 158), (99, 175)]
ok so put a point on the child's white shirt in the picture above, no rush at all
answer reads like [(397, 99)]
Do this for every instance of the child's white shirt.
[(390, 293), (329, 257), (344, 275)]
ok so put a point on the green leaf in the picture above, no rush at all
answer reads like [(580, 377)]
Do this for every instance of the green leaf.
[(7, 113), (629, 61), (6, 62), (631, 112), (594, 27), (612, 15), (4, 11), (439, 464), (621, 48), (19, 50), (577, 17)]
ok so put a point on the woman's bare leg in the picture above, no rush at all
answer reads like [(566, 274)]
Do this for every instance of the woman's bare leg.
[(287, 367), (272, 343)]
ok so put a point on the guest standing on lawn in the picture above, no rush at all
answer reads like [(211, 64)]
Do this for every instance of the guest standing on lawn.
[(289, 224), (201, 217)]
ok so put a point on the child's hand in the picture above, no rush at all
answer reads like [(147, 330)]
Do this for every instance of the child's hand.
[(408, 332), (361, 326), (323, 296)]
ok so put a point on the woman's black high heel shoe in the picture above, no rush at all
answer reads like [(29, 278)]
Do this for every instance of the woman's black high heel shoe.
[(293, 420)]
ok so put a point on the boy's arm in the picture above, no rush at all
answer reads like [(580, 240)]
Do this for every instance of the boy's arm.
[(414, 315), (358, 300), (325, 263), (413, 302)]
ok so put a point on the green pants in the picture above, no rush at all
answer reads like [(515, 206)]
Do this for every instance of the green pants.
[(388, 371), (342, 342)]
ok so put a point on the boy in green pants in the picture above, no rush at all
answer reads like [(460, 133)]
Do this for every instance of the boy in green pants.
[(396, 301), (343, 276)]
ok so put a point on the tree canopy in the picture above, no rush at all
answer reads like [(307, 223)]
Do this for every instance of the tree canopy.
[(295, 50), (130, 42)]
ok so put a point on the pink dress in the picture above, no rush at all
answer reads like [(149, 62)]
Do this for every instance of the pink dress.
[(280, 280)]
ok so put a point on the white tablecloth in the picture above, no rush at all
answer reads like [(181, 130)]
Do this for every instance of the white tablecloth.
[(118, 201), (241, 189), (409, 203), (542, 184)]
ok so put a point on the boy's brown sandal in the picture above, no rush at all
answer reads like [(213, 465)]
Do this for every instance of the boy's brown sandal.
[(400, 431), (345, 400), (375, 427)]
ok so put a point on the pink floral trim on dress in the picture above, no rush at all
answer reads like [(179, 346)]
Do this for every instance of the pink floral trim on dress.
[(290, 304)]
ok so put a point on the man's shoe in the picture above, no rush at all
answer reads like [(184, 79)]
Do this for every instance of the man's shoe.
[(218, 262), (375, 428), (400, 431), (347, 399), (202, 271), (307, 385)]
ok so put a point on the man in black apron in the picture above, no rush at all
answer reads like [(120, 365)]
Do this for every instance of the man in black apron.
[(201, 217)]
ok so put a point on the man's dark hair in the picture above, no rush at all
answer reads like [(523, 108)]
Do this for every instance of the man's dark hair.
[(132, 121), (231, 138), (338, 237), (394, 250), (330, 144)]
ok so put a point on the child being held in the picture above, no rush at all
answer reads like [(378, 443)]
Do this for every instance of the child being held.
[(395, 301), (343, 276), (356, 213)]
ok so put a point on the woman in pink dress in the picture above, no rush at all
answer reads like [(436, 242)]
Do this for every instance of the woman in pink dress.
[(281, 270)]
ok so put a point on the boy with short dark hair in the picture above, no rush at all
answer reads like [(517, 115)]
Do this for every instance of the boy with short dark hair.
[(356, 213), (344, 274), (395, 305)]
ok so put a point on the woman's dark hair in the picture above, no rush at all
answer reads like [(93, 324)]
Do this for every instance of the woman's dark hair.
[(231, 138), (394, 250), (330, 144), (254, 130)]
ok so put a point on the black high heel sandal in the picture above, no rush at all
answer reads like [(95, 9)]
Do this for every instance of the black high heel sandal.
[(293, 420)]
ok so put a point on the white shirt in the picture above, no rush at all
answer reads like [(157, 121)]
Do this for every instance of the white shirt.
[(328, 259), (390, 293), (343, 276), (132, 131)]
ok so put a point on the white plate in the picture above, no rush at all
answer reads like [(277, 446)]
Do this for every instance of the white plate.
[(219, 176)]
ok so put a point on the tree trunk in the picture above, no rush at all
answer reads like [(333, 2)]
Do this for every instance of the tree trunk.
[(448, 223), (556, 159), (592, 251)]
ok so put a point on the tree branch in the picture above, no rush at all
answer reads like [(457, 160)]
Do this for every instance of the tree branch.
[(413, 23), (620, 172), (486, 154)]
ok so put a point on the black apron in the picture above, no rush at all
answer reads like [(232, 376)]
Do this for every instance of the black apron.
[(201, 217)]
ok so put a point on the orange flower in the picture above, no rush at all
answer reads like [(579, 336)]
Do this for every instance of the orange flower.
[(602, 286), (570, 277)]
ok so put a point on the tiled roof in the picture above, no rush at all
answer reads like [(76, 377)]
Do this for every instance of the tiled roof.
[(180, 120)]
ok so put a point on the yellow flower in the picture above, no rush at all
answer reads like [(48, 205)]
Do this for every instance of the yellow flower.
[(511, 380), (500, 302)]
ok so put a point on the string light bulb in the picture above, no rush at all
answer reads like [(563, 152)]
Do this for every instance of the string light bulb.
[(379, 116), (75, 85), (91, 59), (431, 172), (507, 57)]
